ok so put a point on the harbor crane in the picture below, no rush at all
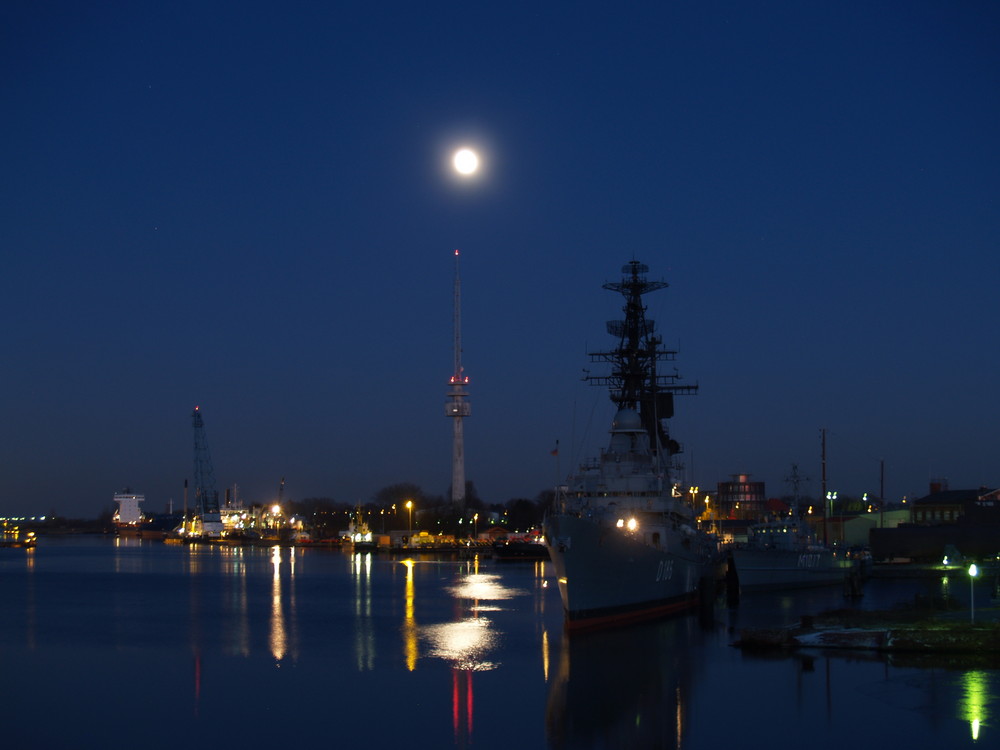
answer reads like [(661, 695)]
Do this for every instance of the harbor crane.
[(206, 497)]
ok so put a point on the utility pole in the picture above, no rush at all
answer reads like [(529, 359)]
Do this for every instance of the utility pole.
[(826, 500), (881, 493)]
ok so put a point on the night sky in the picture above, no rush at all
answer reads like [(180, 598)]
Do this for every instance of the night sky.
[(248, 207)]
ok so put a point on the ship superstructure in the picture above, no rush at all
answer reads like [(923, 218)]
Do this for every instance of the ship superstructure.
[(128, 514)]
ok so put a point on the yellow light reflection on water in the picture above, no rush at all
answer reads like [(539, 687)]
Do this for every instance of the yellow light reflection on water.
[(410, 642), (975, 700), (679, 717), (541, 583), (467, 643), (278, 640), (193, 560), (545, 654), (231, 559)]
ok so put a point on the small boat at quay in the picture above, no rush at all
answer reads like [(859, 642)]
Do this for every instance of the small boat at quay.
[(14, 536), (786, 554), (520, 548), (622, 538), (359, 535)]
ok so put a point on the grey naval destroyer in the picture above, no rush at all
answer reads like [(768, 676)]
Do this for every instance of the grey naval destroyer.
[(623, 541)]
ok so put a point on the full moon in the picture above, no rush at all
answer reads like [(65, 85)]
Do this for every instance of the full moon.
[(465, 161)]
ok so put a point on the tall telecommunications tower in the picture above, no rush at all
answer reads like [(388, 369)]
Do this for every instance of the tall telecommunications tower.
[(457, 407)]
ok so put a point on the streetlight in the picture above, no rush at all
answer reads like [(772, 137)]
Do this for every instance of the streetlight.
[(409, 507), (830, 498), (475, 526), (973, 572)]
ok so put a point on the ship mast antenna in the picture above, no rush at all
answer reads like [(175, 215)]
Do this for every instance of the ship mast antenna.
[(795, 479), (457, 406)]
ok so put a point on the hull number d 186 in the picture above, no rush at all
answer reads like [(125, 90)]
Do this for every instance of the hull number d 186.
[(665, 570)]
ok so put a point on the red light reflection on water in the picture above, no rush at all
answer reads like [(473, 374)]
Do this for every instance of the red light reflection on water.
[(461, 710)]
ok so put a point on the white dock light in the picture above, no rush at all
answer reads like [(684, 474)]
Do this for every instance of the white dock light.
[(973, 572)]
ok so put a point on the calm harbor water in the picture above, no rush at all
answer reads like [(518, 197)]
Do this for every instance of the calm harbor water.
[(113, 640)]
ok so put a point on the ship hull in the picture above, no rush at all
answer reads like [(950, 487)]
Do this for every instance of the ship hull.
[(607, 577), (763, 570)]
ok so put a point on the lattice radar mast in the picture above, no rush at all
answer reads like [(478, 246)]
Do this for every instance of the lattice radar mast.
[(634, 381)]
